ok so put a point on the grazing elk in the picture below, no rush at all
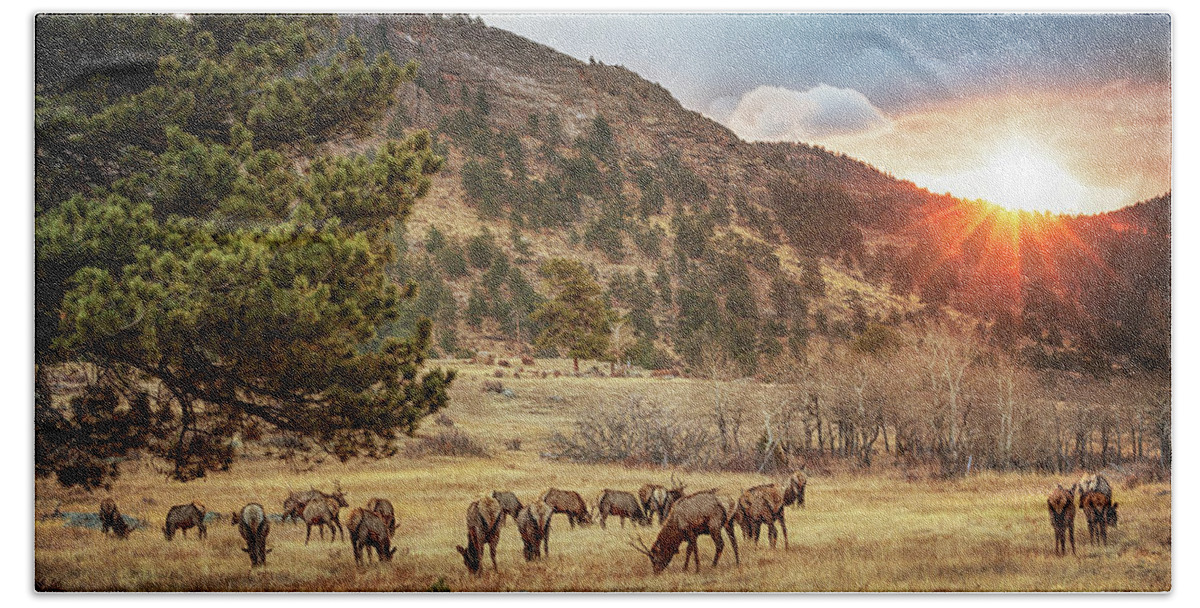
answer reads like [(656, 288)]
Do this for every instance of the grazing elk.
[(691, 516), (1100, 513), (793, 493), (1061, 504), (320, 513), (762, 505), (510, 505), (369, 531), (617, 503), (110, 518), (569, 502), (293, 505), (185, 517), (533, 522), (383, 508), (483, 528), (254, 527)]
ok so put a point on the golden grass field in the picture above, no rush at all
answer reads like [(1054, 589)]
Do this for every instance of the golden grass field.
[(871, 531)]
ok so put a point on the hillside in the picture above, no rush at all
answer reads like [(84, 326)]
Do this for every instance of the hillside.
[(698, 237), (562, 158)]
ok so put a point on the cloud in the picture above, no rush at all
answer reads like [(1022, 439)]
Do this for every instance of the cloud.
[(770, 113)]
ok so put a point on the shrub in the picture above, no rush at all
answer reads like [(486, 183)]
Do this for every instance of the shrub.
[(448, 443)]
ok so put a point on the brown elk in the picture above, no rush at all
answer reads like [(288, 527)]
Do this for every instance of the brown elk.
[(111, 518), (690, 517), (793, 493), (762, 505), (483, 528), (653, 498), (1099, 511), (185, 517), (252, 524), (510, 505), (1061, 504), (1098, 483), (533, 521), (617, 503), (293, 505), (320, 513), (568, 502), (369, 531), (383, 508)]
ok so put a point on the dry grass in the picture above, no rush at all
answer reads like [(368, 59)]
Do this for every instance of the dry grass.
[(870, 532)]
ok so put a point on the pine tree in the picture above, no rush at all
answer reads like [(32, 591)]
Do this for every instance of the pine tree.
[(576, 318), (217, 288)]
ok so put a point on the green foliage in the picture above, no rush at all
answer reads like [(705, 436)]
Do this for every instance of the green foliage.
[(435, 240), (178, 245), (482, 249), (576, 318), (876, 339), (692, 233), (598, 141)]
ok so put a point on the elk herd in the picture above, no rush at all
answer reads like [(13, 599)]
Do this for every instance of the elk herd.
[(681, 516), (1095, 500)]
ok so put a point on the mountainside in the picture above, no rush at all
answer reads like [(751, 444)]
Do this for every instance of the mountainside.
[(704, 238), (703, 242)]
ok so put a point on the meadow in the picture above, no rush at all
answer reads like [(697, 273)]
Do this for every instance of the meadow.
[(881, 529)]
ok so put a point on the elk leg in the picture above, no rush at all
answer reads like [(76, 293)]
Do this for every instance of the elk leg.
[(603, 521), (733, 541), (546, 540), (492, 550), (687, 555), (771, 533), (308, 533), (720, 545), (1071, 530), (783, 525)]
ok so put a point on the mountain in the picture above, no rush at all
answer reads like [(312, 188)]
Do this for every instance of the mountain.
[(704, 241)]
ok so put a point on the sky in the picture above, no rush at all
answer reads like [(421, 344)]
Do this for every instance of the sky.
[(1066, 112)]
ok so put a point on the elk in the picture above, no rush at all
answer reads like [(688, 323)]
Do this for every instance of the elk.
[(1061, 504), (510, 505), (533, 521), (185, 517), (1100, 513), (369, 531), (569, 502), (110, 518), (621, 504), (293, 505), (793, 493), (252, 524), (653, 498), (691, 516), (383, 508), (483, 528), (320, 513), (762, 505), (1098, 483)]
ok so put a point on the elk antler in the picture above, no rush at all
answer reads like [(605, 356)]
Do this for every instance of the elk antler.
[(640, 546)]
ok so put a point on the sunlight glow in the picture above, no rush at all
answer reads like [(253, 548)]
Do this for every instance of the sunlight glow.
[(1020, 174)]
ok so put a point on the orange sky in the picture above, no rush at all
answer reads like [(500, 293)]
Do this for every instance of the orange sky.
[(1089, 149)]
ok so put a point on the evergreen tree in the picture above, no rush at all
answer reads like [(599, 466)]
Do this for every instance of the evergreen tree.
[(178, 246), (576, 318)]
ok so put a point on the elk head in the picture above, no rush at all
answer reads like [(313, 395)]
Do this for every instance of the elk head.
[(338, 494), (658, 554), (470, 557)]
